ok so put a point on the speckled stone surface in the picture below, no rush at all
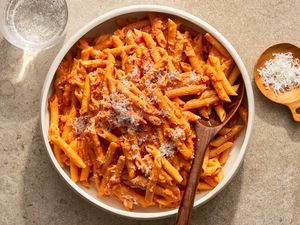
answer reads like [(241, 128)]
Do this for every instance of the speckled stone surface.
[(267, 187)]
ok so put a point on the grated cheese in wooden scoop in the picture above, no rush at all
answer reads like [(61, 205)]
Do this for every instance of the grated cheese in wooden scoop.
[(282, 73)]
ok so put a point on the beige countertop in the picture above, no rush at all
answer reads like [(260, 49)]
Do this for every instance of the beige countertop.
[(267, 187)]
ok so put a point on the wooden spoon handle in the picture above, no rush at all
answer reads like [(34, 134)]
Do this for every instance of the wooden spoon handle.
[(295, 110), (187, 201)]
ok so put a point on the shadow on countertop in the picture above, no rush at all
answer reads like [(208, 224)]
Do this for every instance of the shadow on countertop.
[(278, 115), (22, 75), (48, 200)]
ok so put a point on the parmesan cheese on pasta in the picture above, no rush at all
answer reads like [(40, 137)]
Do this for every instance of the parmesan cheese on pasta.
[(167, 149), (193, 76)]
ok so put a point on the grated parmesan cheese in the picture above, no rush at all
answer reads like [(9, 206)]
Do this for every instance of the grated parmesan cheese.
[(167, 149), (135, 152), (147, 67), (123, 109), (146, 165), (193, 76), (125, 83), (148, 83), (282, 73), (129, 198), (134, 147), (81, 124), (172, 75), (134, 72), (133, 75), (132, 58), (179, 133)]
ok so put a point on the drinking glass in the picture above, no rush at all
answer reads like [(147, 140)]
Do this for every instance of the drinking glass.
[(33, 24)]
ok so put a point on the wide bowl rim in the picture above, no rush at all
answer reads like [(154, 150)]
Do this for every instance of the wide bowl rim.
[(159, 9)]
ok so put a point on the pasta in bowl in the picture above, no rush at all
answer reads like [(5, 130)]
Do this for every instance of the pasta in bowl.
[(122, 107)]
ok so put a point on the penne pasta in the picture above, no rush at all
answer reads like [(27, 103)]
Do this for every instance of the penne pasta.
[(234, 75), (217, 45), (222, 139), (137, 25), (202, 186), (186, 67), (152, 47), (221, 76), (84, 176), (124, 104), (172, 30), (190, 117), (224, 131), (217, 151), (220, 176), (116, 178), (224, 156), (161, 101), (129, 160), (166, 164), (210, 181), (86, 96), (190, 90), (197, 103), (220, 112), (95, 63), (54, 121), (193, 59), (153, 180), (107, 135), (97, 147), (68, 150), (109, 155), (74, 171)]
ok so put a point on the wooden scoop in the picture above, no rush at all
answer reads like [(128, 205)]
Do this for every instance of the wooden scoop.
[(205, 132), (289, 98)]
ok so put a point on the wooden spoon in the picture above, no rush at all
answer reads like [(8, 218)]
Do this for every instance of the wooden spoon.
[(205, 132), (289, 98)]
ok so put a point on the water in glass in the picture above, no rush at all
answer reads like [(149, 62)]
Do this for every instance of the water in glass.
[(33, 24)]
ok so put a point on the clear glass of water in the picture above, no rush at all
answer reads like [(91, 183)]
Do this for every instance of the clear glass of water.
[(33, 24)]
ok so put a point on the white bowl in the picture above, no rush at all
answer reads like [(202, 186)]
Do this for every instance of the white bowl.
[(106, 23)]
